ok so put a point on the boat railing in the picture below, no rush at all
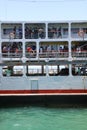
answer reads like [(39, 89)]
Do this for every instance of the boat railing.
[(79, 54), (12, 55), (54, 54), (31, 54)]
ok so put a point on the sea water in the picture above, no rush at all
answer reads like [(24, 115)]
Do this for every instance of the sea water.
[(43, 118)]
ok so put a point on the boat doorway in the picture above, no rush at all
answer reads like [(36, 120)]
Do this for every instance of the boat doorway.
[(34, 85)]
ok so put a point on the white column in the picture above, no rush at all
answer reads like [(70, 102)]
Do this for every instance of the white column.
[(69, 40), (47, 70), (70, 55), (70, 69), (0, 71), (23, 38), (23, 30), (37, 49), (24, 71), (46, 30), (47, 67)]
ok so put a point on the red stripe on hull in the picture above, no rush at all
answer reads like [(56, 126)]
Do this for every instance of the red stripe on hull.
[(42, 91)]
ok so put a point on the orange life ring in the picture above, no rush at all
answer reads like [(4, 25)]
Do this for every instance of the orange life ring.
[(81, 33)]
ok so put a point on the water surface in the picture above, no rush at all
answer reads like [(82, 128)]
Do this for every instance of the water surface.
[(43, 118)]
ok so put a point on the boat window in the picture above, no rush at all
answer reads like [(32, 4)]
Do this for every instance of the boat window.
[(57, 70), (52, 70), (57, 30), (34, 30), (64, 70), (79, 49), (35, 70), (53, 49), (76, 28), (11, 30), (12, 71), (7, 31), (65, 31), (30, 48), (79, 69), (85, 30), (12, 49)]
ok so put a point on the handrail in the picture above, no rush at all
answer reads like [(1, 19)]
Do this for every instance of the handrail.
[(52, 54), (12, 55), (79, 54)]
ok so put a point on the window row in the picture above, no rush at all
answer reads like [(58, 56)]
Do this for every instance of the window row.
[(38, 30), (44, 49), (41, 70)]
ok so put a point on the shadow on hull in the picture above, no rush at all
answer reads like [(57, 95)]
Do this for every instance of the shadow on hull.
[(44, 100)]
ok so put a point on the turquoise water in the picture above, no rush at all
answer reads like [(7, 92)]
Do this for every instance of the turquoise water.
[(43, 118)]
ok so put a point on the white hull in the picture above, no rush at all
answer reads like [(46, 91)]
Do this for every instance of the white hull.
[(43, 85)]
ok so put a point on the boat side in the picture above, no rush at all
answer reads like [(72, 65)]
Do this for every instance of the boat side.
[(43, 58)]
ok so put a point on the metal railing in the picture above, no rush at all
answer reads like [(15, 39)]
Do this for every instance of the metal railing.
[(54, 54), (82, 54), (12, 55)]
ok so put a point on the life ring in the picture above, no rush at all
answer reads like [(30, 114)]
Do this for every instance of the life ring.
[(11, 35), (81, 33)]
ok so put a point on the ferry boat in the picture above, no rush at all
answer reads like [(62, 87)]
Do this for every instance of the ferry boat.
[(43, 60)]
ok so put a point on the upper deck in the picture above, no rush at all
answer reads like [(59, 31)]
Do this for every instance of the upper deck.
[(52, 44), (43, 41)]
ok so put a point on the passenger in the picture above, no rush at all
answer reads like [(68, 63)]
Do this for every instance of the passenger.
[(29, 49), (14, 31), (8, 72), (49, 48), (59, 32), (17, 33), (50, 33), (11, 35), (49, 53), (4, 50), (41, 50), (78, 50), (55, 33), (16, 50), (34, 48), (30, 33), (79, 71), (14, 46), (20, 32), (41, 33), (17, 54), (26, 32), (35, 33)]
